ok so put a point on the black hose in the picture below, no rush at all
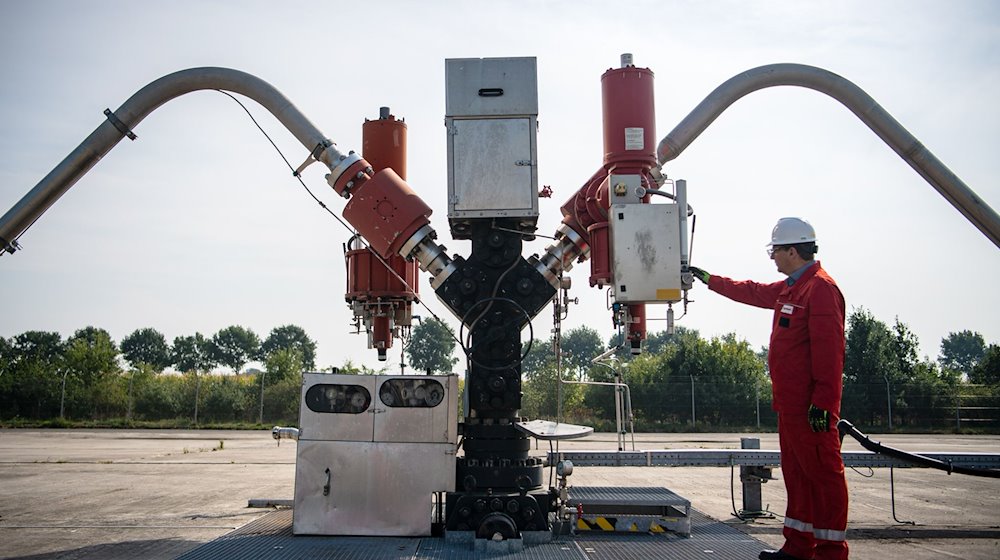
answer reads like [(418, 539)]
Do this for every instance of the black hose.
[(846, 428)]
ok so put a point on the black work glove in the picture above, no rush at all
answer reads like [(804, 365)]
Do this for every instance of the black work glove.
[(819, 419), (700, 274)]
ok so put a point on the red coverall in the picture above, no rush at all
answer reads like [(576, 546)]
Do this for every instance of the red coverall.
[(806, 359)]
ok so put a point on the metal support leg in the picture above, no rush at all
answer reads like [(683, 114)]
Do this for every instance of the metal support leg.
[(751, 479)]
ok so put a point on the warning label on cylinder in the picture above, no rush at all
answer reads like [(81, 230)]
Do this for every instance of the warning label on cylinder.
[(634, 139)]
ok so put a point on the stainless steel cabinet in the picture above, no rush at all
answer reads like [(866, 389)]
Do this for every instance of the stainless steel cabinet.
[(371, 452), (491, 113)]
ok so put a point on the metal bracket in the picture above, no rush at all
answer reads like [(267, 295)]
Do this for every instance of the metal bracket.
[(313, 156), (119, 124), (9, 246)]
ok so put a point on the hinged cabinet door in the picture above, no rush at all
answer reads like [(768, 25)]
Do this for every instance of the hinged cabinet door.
[(645, 252), (493, 168), (418, 409), (337, 407)]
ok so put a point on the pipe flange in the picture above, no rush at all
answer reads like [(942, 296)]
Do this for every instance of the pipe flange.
[(349, 172), (442, 275), (418, 236)]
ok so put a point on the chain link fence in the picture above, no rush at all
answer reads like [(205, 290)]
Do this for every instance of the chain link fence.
[(699, 405)]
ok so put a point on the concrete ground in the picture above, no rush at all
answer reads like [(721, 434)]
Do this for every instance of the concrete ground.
[(108, 494)]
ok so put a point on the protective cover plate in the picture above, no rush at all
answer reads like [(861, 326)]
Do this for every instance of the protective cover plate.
[(645, 253), (545, 429)]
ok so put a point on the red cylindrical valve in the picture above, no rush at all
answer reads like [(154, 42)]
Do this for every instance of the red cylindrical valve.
[(368, 279), (636, 327), (383, 143), (600, 259), (588, 205), (629, 117), (381, 335), (384, 146), (386, 212)]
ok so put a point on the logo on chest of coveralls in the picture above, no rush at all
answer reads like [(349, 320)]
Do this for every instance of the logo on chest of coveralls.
[(786, 310)]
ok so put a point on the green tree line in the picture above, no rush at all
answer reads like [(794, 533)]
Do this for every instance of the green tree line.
[(43, 376), (682, 381)]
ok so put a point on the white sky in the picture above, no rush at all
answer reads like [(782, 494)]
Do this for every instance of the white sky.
[(198, 225)]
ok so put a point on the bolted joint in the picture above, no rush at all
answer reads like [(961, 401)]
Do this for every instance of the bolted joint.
[(560, 256), (349, 173)]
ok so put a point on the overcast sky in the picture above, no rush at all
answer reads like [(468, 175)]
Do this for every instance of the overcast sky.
[(198, 225)]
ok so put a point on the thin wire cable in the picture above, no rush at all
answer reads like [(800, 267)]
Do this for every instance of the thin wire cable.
[(332, 213), (535, 234), (466, 348), (493, 295), (870, 474)]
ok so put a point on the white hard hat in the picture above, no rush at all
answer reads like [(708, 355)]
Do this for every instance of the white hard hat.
[(790, 231)]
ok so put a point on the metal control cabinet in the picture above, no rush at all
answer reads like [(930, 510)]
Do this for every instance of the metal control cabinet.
[(646, 252), (371, 452), (491, 114)]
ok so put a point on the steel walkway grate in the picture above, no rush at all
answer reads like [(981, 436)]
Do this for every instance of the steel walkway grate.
[(270, 538)]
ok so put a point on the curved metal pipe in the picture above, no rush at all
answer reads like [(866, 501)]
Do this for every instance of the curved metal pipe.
[(156, 93), (861, 104)]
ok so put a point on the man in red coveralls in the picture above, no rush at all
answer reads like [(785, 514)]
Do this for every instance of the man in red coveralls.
[(806, 359)]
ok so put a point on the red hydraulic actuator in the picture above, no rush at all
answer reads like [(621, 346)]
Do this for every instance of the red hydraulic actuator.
[(383, 143), (629, 149), (378, 296), (629, 119)]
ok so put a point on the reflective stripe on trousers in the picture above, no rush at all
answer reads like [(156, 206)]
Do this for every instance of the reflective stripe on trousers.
[(830, 535), (798, 525), (823, 534)]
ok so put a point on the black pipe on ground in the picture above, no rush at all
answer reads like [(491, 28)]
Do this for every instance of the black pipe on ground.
[(846, 428)]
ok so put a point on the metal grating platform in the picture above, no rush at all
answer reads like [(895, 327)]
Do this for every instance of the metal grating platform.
[(649, 500), (270, 538), (630, 509)]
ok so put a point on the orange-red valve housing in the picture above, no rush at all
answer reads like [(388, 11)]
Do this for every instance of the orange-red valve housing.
[(383, 143), (369, 280), (387, 212), (636, 330), (629, 117), (629, 148), (600, 258)]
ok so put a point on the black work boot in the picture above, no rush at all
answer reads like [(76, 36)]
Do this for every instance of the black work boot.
[(777, 555)]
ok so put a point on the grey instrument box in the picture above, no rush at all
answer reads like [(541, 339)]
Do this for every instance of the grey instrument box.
[(645, 252), (491, 116)]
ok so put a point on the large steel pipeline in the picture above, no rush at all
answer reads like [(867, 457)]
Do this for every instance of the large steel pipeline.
[(861, 104), (120, 123)]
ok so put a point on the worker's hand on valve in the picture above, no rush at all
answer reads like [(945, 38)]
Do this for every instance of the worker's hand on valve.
[(700, 274), (819, 419)]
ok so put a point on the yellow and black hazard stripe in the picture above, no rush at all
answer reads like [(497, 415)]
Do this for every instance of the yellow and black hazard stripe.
[(600, 523)]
